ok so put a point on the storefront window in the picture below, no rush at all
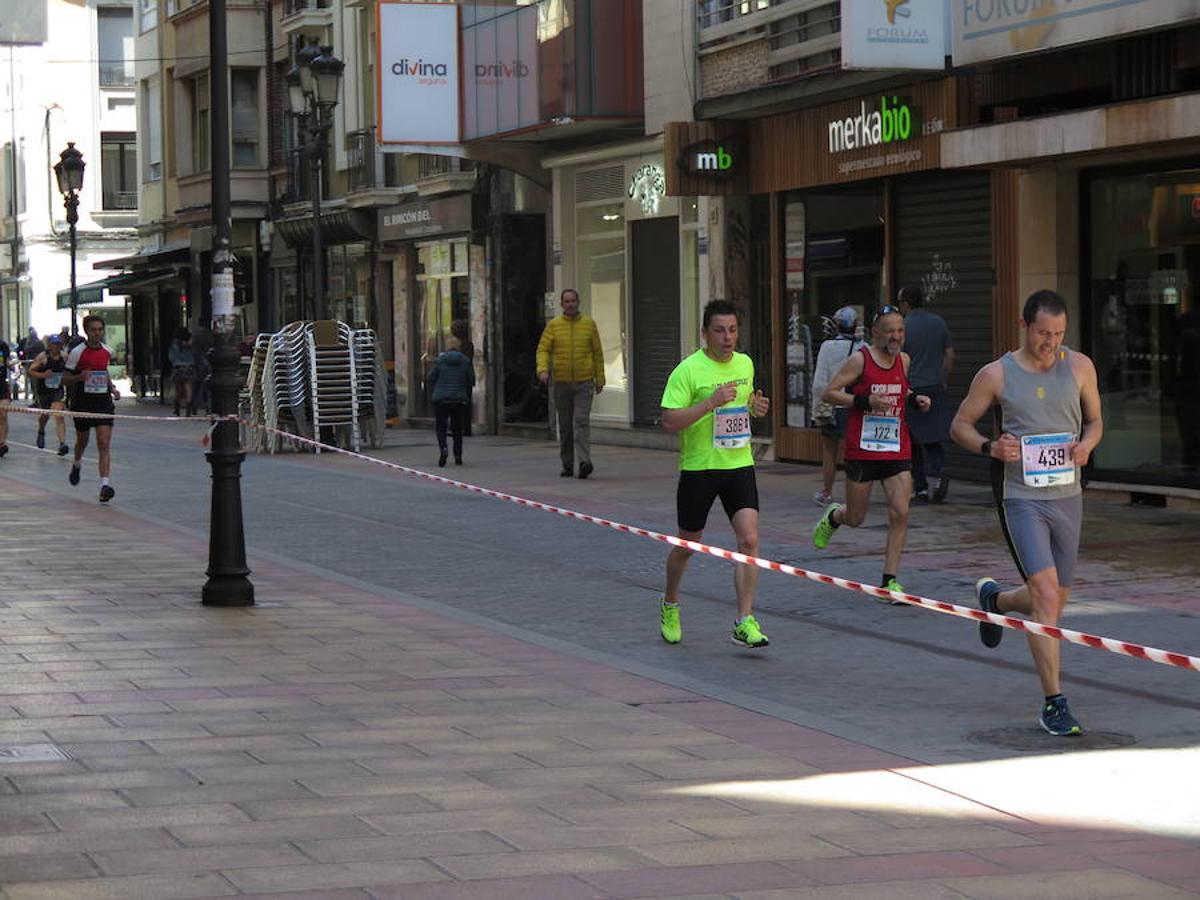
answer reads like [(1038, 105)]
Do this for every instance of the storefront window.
[(443, 297), (600, 253), (1144, 327), (834, 255), (350, 285)]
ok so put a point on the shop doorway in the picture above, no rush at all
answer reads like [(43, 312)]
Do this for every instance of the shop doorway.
[(655, 278), (522, 286), (442, 308)]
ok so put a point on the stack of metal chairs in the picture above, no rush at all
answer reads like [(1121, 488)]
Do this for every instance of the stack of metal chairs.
[(321, 380)]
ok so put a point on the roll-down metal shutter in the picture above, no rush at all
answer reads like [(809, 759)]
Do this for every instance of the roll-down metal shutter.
[(655, 275), (942, 240)]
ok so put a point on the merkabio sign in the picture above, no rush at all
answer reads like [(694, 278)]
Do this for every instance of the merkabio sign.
[(891, 121)]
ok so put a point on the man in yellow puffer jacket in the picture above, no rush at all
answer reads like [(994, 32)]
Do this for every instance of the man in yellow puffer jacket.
[(569, 352)]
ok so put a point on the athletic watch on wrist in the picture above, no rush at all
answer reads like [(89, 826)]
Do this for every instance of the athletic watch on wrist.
[(986, 449)]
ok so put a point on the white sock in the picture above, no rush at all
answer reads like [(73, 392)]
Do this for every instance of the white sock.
[(103, 482)]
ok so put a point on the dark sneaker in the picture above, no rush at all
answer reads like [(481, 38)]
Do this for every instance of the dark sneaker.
[(986, 592), (63, 449), (585, 469), (41, 440), (940, 488), (921, 497), (3, 449), (566, 472), (107, 493), (748, 634), (74, 476), (1056, 718), (669, 627)]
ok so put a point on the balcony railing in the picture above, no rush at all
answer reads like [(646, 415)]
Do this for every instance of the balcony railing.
[(297, 187), (803, 37), (116, 74), (360, 159), (291, 7), (119, 199)]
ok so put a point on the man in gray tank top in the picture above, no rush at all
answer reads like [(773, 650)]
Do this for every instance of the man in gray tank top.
[(1050, 424)]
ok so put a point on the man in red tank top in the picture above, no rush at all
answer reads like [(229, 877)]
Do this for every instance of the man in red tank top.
[(873, 383)]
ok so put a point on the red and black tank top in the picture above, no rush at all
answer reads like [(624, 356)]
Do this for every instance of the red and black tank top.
[(879, 435)]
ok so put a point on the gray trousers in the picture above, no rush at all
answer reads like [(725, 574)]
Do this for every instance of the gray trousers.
[(573, 406)]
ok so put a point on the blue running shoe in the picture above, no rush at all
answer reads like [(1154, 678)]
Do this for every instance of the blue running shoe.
[(1057, 720)]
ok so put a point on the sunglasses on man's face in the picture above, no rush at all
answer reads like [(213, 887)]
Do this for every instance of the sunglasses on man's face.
[(885, 311)]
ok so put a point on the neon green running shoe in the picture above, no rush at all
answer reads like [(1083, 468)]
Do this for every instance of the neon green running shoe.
[(748, 634), (672, 631), (893, 585), (825, 527)]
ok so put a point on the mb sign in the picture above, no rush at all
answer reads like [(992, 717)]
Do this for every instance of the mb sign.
[(711, 158)]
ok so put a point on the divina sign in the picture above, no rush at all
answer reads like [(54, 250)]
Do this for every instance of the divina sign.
[(891, 121)]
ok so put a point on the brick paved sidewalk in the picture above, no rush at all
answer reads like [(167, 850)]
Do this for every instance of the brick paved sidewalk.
[(336, 743)]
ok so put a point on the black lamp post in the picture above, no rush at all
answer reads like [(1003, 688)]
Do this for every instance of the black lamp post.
[(228, 582), (69, 172), (313, 86)]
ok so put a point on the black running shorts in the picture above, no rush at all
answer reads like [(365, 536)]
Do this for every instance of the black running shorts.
[(863, 470), (84, 423), (694, 497)]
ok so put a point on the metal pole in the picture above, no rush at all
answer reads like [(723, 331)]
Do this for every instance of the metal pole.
[(72, 204), (228, 583), (318, 152)]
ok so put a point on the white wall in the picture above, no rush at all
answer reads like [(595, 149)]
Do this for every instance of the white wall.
[(669, 55)]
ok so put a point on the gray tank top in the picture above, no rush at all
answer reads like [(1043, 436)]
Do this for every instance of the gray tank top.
[(1039, 403)]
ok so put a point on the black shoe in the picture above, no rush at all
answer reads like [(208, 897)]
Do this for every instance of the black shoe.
[(921, 497), (940, 488), (586, 469), (442, 458), (63, 449), (3, 449), (986, 592), (106, 493), (458, 460), (41, 440), (1056, 718), (566, 472), (74, 476)]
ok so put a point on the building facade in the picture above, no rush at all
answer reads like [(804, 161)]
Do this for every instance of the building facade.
[(1056, 158), (89, 46)]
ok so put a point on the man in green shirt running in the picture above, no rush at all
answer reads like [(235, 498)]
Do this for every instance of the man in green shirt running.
[(708, 402)]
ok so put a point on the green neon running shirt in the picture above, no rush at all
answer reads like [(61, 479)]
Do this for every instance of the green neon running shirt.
[(694, 380)]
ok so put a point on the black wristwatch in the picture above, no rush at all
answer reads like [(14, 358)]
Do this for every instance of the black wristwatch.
[(986, 449)]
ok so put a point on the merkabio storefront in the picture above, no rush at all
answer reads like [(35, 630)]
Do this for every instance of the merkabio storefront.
[(859, 206)]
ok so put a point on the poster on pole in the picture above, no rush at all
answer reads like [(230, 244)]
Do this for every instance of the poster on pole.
[(418, 73)]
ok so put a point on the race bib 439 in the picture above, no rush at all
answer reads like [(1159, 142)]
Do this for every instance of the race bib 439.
[(1046, 459)]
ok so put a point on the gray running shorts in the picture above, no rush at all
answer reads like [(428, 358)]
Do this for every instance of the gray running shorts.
[(1044, 533)]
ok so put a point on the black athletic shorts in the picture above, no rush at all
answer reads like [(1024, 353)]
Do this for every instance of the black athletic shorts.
[(84, 423), (697, 491), (862, 470), (43, 399)]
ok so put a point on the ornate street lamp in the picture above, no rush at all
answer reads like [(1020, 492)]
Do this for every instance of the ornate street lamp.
[(69, 172), (313, 85)]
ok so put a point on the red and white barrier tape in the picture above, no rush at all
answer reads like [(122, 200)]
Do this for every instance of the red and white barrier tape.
[(1096, 642)]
